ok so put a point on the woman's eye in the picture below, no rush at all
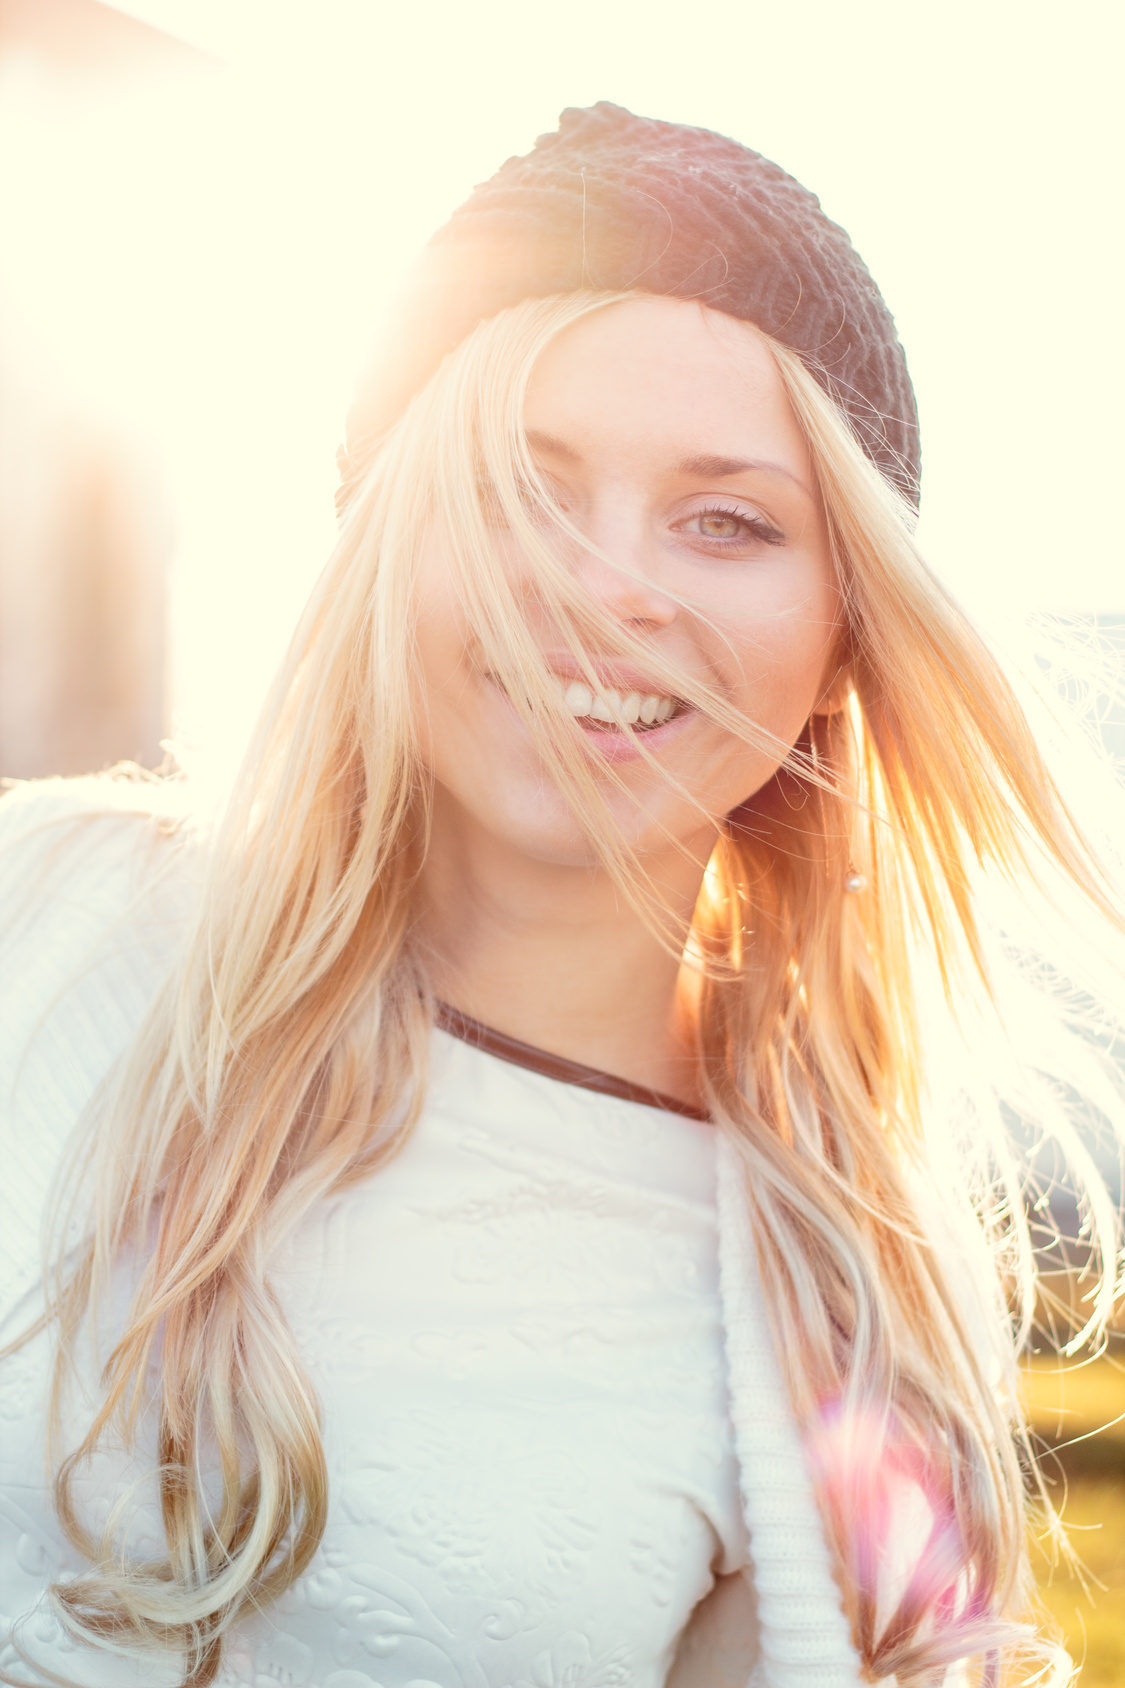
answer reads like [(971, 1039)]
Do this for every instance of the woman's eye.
[(720, 527), (727, 526)]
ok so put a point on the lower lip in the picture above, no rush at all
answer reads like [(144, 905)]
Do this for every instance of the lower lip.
[(610, 743)]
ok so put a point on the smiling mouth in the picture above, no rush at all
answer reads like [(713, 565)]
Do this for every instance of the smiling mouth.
[(610, 710)]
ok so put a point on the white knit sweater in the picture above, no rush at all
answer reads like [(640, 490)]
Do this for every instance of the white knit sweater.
[(90, 913)]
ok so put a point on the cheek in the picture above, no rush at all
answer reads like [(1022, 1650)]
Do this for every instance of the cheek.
[(776, 658), (442, 664), (485, 772)]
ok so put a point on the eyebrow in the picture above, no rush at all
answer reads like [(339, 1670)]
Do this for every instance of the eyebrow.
[(554, 447), (705, 467), (719, 468)]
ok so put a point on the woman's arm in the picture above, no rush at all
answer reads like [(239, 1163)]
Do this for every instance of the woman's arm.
[(719, 1647)]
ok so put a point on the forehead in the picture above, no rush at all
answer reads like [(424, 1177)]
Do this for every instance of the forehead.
[(657, 378)]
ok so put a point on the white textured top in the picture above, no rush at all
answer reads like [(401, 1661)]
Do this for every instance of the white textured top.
[(516, 1329)]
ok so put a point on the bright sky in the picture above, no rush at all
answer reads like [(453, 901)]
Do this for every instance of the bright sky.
[(211, 255)]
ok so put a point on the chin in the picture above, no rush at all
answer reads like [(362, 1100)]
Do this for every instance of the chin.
[(551, 835), (555, 840)]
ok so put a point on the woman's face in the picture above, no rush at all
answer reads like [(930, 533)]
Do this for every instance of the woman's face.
[(665, 433)]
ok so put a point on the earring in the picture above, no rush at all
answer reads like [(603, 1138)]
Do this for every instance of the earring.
[(855, 881)]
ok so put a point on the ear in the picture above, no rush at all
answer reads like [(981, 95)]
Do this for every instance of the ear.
[(836, 693)]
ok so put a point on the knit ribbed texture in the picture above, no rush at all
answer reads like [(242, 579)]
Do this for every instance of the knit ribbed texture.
[(806, 1640), (77, 976), (613, 201)]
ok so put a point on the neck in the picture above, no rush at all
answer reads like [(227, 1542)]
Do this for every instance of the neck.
[(554, 954)]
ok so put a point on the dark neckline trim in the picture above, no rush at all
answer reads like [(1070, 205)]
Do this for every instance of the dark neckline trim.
[(558, 1067)]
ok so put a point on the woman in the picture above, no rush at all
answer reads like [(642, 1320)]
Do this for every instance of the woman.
[(522, 1225)]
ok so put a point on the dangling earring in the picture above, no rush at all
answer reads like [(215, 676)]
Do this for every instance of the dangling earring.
[(854, 880)]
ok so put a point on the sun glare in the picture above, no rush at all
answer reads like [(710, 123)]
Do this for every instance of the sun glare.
[(197, 253)]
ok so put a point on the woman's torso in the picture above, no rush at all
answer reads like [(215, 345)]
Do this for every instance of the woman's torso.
[(515, 1334)]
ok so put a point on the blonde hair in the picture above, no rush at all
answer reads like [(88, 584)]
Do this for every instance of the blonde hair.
[(287, 1055)]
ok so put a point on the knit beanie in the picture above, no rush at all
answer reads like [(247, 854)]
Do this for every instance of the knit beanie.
[(616, 202)]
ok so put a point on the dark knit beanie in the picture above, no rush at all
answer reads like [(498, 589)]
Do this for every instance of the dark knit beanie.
[(612, 201)]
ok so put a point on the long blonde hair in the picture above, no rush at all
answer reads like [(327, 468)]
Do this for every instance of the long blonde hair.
[(287, 1055)]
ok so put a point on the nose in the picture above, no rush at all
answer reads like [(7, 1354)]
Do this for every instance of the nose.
[(618, 564)]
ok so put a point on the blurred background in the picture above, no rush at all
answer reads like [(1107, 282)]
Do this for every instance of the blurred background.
[(204, 205)]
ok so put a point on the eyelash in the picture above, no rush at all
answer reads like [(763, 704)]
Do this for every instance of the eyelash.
[(755, 527)]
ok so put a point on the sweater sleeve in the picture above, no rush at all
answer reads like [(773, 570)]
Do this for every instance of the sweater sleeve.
[(88, 913)]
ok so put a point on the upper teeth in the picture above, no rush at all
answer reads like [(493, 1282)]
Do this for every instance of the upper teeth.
[(611, 706)]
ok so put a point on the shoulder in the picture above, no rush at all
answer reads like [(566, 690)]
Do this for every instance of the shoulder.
[(90, 870), (65, 825), (75, 855), (97, 881)]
